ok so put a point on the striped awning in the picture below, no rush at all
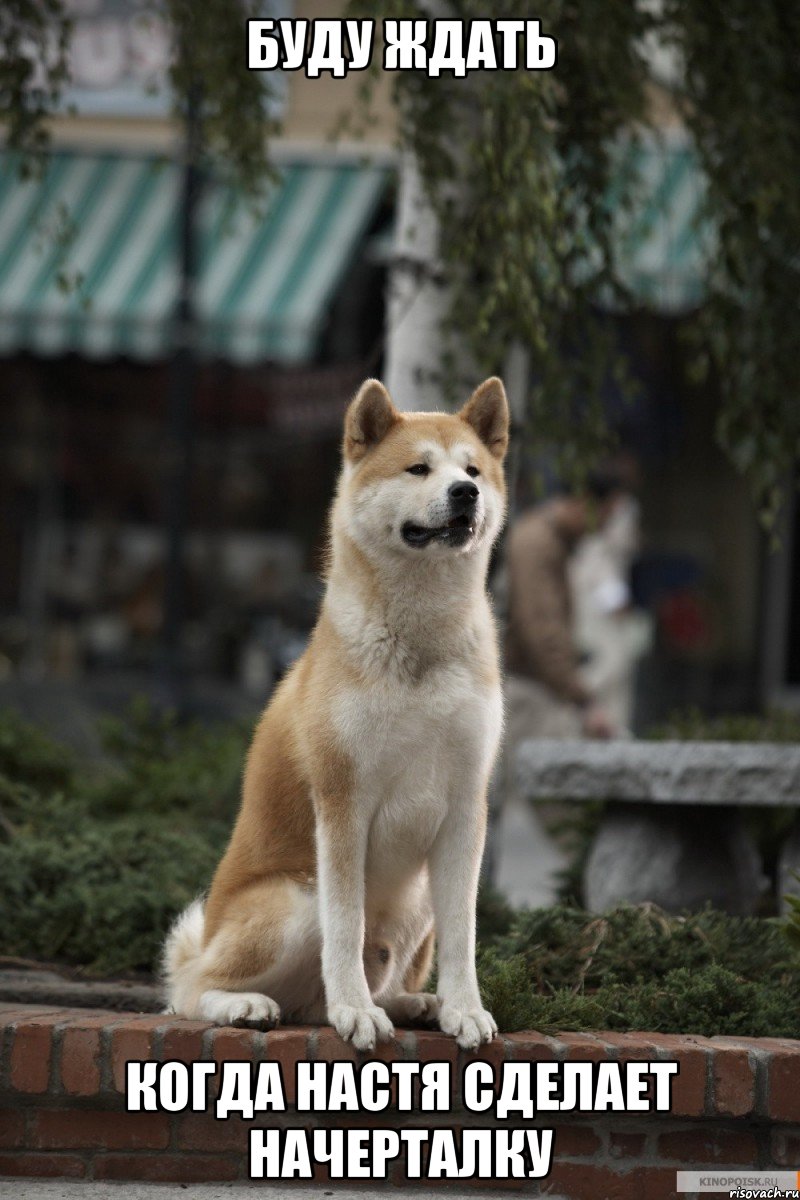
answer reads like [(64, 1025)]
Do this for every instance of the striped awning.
[(663, 245), (89, 257)]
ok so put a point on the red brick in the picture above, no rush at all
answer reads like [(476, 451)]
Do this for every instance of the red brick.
[(32, 1053), (630, 1047), (530, 1047), (9, 1013), (770, 1044), (710, 1147), (575, 1141), (167, 1168), (434, 1047), (81, 1059), (785, 1147), (12, 1128), (493, 1052), (626, 1145), (198, 1131), (332, 1048), (183, 1041), (130, 1042), (240, 1045), (78, 1018), (443, 1187), (396, 1050), (734, 1093), (437, 1047), (232, 1045), (583, 1181), (689, 1085), (51, 1166), (73, 1129), (287, 1047), (392, 1051), (636, 1048), (583, 1047), (784, 1084), (658, 1183)]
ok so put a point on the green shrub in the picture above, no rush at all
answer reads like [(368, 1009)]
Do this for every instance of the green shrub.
[(567, 947), (96, 860), (638, 968), (160, 765), (692, 725), (792, 923), (710, 1002), (100, 894), (95, 863), (30, 756)]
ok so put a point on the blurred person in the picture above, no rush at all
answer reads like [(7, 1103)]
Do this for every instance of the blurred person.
[(611, 634), (547, 695)]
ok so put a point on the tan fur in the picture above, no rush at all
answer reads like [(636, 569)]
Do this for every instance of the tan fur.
[(301, 783), (417, 974)]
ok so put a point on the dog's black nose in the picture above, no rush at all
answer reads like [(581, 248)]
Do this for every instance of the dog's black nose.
[(462, 494)]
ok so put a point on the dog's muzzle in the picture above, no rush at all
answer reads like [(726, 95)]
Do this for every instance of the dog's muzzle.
[(462, 499)]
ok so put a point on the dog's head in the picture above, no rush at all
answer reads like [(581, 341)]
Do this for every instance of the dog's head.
[(424, 484)]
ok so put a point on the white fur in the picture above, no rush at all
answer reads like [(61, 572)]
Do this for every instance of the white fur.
[(423, 748), (422, 728)]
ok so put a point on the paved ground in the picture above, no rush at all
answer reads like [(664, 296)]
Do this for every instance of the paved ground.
[(35, 1189)]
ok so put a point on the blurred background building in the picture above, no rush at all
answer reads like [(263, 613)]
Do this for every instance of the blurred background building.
[(288, 315)]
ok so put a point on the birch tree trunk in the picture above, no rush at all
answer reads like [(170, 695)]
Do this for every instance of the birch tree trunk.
[(417, 300)]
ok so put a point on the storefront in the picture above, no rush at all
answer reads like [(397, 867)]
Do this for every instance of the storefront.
[(289, 314)]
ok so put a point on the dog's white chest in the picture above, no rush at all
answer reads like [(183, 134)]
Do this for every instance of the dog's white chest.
[(415, 751)]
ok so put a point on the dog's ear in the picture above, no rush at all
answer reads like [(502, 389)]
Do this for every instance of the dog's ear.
[(369, 418), (487, 412)]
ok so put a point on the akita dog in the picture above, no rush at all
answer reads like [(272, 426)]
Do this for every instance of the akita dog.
[(363, 814)]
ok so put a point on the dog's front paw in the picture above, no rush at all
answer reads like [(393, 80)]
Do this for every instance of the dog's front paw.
[(469, 1025), (361, 1026), (250, 1009), (413, 1006)]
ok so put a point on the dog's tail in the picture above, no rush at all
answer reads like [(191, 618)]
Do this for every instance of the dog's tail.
[(182, 950)]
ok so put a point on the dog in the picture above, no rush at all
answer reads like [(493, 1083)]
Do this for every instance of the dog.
[(363, 812)]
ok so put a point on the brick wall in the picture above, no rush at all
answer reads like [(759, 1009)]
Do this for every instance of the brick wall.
[(736, 1102)]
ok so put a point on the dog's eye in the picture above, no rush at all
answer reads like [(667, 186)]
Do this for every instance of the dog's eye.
[(472, 471), (419, 469)]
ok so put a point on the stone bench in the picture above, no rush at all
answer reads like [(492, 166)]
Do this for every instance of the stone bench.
[(672, 832)]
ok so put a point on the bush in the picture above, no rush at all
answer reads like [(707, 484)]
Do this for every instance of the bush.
[(30, 756), (95, 861), (691, 725), (161, 766), (638, 968), (100, 895)]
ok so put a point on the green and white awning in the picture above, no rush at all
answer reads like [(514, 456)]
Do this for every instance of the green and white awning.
[(88, 252), (662, 244), (88, 257)]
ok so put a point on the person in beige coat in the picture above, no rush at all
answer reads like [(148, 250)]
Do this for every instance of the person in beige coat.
[(545, 688), (545, 694)]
